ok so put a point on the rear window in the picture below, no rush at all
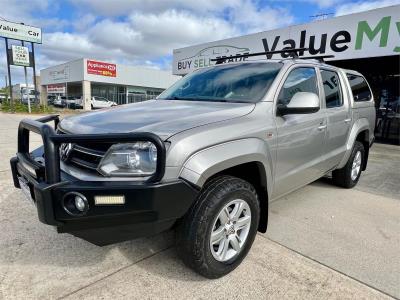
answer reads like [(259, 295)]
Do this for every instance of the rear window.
[(333, 96), (359, 88)]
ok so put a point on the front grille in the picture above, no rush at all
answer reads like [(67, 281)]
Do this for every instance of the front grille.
[(86, 155)]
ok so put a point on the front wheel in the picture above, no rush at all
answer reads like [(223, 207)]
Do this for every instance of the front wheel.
[(218, 231), (349, 175)]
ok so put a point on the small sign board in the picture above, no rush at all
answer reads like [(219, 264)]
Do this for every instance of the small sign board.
[(57, 88), (20, 56), (11, 59), (20, 32)]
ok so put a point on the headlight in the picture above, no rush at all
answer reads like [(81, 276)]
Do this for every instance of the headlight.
[(130, 159)]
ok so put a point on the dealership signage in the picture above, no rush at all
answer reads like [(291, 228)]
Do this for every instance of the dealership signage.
[(20, 32), (58, 88), (101, 68), (20, 56), (369, 34), (60, 74)]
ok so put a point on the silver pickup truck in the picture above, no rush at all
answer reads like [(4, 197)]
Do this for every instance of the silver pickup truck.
[(205, 158)]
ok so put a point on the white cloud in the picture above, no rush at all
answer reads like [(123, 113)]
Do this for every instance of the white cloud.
[(325, 3), (122, 7), (144, 37), (138, 32), (355, 7), (249, 19)]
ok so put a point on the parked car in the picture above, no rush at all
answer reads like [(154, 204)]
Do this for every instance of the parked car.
[(66, 101), (101, 102), (50, 99), (72, 102), (204, 158), (96, 102), (60, 101)]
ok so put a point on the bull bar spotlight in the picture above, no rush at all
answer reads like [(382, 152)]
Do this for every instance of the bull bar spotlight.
[(75, 204)]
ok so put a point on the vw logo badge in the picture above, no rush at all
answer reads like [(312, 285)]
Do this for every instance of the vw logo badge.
[(65, 150)]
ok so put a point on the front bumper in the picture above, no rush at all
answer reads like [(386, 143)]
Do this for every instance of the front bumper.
[(149, 208)]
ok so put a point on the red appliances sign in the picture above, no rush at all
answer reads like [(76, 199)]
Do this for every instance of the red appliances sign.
[(101, 68)]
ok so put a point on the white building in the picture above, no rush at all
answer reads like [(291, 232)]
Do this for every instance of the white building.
[(118, 83)]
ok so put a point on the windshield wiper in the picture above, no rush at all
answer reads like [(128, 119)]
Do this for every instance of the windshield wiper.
[(205, 99), (180, 98)]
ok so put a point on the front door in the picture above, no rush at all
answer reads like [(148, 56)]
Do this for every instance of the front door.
[(301, 137)]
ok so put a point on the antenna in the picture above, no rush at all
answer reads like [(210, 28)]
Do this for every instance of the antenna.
[(322, 16)]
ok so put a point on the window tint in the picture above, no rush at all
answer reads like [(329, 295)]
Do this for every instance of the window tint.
[(359, 88), (331, 83), (299, 80)]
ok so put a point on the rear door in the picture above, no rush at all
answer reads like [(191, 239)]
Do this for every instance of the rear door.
[(301, 137), (338, 116)]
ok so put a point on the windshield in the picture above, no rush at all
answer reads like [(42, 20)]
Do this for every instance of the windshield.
[(230, 83)]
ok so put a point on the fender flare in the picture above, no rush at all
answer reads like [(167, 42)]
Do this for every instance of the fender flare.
[(207, 162), (358, 126)]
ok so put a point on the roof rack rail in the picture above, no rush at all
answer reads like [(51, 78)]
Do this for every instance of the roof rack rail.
[(320, 58), (293, 53)]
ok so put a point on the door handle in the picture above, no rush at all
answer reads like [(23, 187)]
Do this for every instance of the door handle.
[(347, 120), (322, 127)]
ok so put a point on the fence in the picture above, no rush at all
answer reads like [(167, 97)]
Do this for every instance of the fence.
[(122, 99)]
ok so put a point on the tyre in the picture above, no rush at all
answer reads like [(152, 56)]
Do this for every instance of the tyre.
[(349, 175), (217, 232)]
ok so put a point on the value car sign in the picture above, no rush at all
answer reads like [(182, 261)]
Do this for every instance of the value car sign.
[(368, 34), (101, 68), (20, 32), (20, 56)]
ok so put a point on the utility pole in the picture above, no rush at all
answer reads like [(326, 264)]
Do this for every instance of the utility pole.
[(34, 73), (26, 86), (5, 80), (9, 77)]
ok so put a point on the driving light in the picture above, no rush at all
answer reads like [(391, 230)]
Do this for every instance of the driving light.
[(75, 204), (109, 200), (79, 203), (130, 159)]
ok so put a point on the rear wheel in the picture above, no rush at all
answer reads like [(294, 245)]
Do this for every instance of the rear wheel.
[(218, 231), (349, 175)]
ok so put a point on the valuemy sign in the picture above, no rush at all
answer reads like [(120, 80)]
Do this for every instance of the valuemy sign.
[(101, 68), (368, 34), (20, 32), (20, 56)]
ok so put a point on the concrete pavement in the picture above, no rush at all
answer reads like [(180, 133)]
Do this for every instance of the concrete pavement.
[(351, 231)]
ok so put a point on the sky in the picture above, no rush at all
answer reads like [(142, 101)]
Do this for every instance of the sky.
[(144, 32)]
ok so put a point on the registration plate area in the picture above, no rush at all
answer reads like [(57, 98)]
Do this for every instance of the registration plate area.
[(26, 190)]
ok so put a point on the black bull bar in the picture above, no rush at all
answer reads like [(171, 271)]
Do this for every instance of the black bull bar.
[(49, 172)]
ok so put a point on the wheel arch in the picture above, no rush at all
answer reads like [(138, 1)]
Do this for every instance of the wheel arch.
[(248, 159), (359, 132)]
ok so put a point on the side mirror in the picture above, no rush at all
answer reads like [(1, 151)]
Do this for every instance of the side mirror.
[(301, 103)]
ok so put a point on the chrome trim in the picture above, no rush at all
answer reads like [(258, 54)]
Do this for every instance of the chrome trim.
[(88, 151)]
